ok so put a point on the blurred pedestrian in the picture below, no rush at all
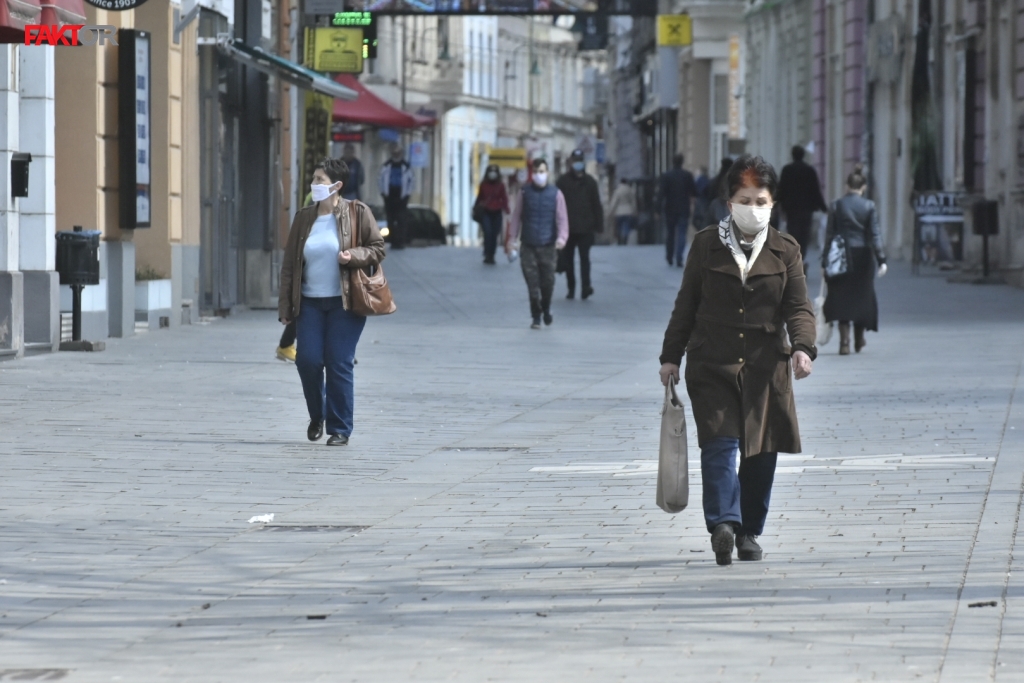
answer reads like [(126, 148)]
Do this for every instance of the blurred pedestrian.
[(678, 195), (622, 209), (396, 184), (492, 205), (851, 295), (356, 173), (586, 219), (700, 206), (315, 281), (799, 197), (716, 193), (743, 291), (541, 220)]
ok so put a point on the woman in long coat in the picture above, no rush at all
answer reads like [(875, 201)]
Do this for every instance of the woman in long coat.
[(743, 290), (851, 296)]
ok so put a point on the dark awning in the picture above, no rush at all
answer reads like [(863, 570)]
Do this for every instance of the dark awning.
[(56, 12), (372, 110), (268, 63), (14, 14)]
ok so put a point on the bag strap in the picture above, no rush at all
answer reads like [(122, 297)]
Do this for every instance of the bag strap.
[(671, 396)]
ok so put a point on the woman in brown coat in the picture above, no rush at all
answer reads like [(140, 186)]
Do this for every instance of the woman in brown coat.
[(315, 282), (743, 291)]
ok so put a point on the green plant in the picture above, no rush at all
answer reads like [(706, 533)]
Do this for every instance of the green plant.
[(146, 273)]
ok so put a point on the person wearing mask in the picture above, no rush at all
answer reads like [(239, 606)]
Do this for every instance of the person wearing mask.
[(541, 222), (622, 209), (356, 174), (851, 296), (799, 197), (743, 293), (586, 219), (396, 185), (492, 202), (314, 293)]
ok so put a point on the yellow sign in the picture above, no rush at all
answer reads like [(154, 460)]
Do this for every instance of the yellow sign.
[(507, 157), (674, 30), (734, 87), (335, 50)]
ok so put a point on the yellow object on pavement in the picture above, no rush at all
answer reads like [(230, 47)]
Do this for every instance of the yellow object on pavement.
[(286, 353)]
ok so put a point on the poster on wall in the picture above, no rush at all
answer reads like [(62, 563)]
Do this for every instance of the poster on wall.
[(134, 129)]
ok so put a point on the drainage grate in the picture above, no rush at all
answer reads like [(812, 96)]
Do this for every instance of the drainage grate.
[(313, 527), (32, 674)]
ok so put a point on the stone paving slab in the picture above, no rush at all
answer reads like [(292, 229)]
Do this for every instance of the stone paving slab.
[(493, 518)]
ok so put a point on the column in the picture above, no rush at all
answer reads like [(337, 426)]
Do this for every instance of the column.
[(37, 219), (11, 283)]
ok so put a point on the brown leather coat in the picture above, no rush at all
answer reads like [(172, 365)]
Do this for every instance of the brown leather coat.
[(370, 252), (738, 371)]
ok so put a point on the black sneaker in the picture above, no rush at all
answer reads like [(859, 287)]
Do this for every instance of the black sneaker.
[(315, 430), (747, 548), (570, 295), (548, 319), (723, 539), (587, 293), (535, 325), (337, 440)]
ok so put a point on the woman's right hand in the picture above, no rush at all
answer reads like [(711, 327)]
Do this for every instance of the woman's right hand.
[(284, 321), (669, 370)]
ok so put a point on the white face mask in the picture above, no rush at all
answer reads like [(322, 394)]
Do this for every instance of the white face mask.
[(540, 179), (320, 192), (751, 219)]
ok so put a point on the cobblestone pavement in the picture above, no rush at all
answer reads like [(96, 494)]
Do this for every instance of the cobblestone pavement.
[(493, 518)]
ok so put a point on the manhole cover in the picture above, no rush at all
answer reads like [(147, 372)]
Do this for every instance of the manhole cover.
[(32, 674), (313, 527)]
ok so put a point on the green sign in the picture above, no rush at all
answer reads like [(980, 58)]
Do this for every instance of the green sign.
[(364, 20)]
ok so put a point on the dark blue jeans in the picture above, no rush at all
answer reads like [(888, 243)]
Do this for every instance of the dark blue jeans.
[(742, 499), (491, 225), (327, 338)]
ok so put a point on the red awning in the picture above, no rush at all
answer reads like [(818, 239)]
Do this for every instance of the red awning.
[(372, 110), (14, 14), (56, 12)]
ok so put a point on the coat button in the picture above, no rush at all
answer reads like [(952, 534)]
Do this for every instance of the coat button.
[(741, 310), (741, 335), (741, 360)]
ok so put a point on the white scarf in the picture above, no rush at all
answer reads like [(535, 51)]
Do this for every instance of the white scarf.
[(728, 237)]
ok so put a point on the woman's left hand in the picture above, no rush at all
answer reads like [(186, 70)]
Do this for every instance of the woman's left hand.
[(344, 257), (802, 364)]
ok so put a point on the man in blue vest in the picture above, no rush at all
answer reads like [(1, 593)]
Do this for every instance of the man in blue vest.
[(396, 184), (542, 221)]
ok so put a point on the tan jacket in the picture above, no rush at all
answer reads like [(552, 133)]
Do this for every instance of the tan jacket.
[(370, 252)]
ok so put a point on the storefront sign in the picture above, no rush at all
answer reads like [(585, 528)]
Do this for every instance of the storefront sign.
[(115, 5), (419, 154), (674, 30), (134, 128), (70, 34), (362, 20), (335, 50), (939, 207)]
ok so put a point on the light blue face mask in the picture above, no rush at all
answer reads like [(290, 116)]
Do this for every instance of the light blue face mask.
[(577, 166)]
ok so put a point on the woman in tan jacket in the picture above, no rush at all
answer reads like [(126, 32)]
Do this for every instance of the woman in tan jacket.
[(743, 293), (318, 260)]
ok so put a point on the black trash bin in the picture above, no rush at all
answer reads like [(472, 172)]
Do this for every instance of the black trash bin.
[(78, 264)]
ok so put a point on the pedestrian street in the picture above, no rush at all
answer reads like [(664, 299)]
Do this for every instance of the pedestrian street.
[(493, 517)]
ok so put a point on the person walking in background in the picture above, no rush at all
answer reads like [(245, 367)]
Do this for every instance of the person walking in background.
[(396, 185), (715, 193), (851, 295), (541, 220), (799, 197), (586, 219), (743, 292), (622, 209), (678, 195), (314, 293), (701, 201), (356, 174), (492, 203)]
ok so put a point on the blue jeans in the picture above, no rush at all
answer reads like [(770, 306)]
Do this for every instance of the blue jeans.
[(741, 500), (327, 338), (623, 224), (682, 230)]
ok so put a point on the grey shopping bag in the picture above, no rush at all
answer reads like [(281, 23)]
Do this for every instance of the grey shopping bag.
[(673, 471)]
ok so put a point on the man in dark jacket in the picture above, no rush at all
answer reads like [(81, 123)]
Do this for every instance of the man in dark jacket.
[(586, 218), (678, 196), (799, 197)]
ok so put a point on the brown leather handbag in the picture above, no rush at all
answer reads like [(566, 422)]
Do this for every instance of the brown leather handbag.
[(368, 291)]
